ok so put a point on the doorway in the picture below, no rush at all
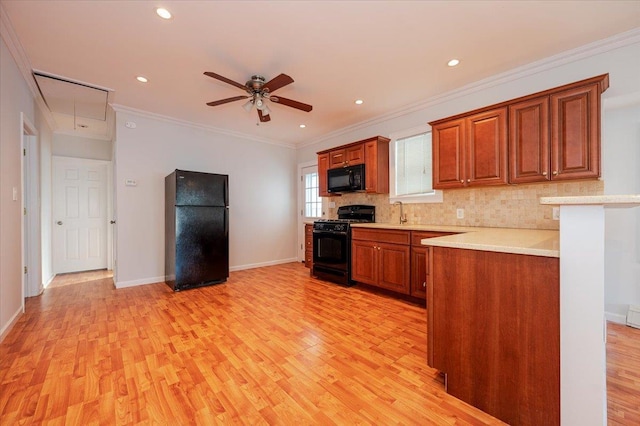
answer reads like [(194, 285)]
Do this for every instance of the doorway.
[(30, 167), (80, 206), (309, 201)]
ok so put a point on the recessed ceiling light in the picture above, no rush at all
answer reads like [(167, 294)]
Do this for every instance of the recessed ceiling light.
[(163, 13), (142, 79), (359, 101), (453, 62), (302, 126)]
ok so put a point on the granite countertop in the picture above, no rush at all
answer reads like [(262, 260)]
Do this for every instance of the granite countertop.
[(535, 242), (605, 200)]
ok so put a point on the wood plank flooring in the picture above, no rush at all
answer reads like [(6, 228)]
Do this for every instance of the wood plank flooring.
[(270, 346)]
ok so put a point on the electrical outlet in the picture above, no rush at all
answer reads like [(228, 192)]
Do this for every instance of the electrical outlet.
[(460, 213), (556, 213)]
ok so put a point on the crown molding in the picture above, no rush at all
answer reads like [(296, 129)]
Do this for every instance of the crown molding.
[(598, 47), (186, 123), (10, 38)]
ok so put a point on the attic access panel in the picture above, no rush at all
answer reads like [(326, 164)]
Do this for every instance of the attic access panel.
[(72, 98)]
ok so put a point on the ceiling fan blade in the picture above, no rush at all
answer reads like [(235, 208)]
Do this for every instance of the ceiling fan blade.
[(277, 82), (227, 100), (225, 79), (263, 118), (291, 103)]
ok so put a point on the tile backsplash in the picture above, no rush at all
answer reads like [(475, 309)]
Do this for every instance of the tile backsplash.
[(514, 206)]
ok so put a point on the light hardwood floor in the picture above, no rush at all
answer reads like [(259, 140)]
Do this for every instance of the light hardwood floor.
[(270, 346)]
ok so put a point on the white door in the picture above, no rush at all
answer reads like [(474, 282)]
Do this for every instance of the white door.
[(79, 215), (310, 202)]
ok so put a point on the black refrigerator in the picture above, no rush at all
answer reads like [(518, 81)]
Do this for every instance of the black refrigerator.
[(196, 229)]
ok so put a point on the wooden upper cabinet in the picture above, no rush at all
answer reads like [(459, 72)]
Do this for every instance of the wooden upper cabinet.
[(323, 166), (575, 133), (557, 136), (470, 151), (372, 152), (529, 141), (448, 154), (376, 165), (546, 136), (344, 157), (486, 148)]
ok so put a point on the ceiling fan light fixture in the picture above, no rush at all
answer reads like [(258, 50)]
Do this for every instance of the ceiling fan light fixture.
[(248, 105), (265, 109)]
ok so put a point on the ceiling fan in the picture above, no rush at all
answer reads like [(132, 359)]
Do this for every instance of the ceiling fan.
[(259, 91)]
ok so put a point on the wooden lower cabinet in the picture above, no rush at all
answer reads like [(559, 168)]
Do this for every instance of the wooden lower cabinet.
[(308, 245), (391, 259), (494, 331), (381, 258)]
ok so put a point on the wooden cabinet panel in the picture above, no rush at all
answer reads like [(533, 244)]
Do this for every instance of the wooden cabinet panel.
[(323, 166), (575, 133), (394, 267), (448, 154), (337, 158), (376, 169), (364, 265), (308, 245), (486, 148), (381, 235), (494, 330), (529, 141), (419, 271)]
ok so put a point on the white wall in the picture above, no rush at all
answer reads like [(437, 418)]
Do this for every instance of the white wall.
[(261, 186), (620, 57), (622, 226), (46, 140), (81, 147), (15, 98)]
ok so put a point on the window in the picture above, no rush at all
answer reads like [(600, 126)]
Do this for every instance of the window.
[(312, 201), (410, 167)]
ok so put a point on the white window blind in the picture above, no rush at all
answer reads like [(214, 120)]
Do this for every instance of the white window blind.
[(413, 165)]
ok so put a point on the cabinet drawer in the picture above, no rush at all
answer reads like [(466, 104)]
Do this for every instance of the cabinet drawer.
[(381, 235), (417, 236)]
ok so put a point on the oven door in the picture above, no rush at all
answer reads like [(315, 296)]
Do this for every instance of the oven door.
[(330, 249)]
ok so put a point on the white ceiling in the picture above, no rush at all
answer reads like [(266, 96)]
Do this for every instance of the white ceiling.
[(391, 54)]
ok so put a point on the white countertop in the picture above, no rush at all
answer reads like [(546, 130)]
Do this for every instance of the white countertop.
[(534, 242), (605, 200)]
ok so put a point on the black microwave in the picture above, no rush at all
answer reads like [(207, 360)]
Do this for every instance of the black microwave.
[(346, 179)]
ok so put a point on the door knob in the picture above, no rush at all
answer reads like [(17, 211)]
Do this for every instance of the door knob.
[(59, 222)]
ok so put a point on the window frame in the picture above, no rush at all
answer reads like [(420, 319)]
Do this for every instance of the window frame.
[(436, 196)]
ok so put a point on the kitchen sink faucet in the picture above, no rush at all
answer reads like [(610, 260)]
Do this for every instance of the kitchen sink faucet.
[(403, 218)]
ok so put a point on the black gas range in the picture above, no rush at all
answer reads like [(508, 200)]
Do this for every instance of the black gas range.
[(332, 242)]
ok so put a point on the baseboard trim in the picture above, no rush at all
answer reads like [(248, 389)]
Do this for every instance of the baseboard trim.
[(617, 318), (261, 264), (155, 280), (7, 328)]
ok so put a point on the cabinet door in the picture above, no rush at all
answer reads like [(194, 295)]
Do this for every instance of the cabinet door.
[(354, 155), (308, 245), (529, 141), (323, 166), (364, 263), (575, 133), (337, 158), (419, 271), (371, 166), (394, 267), (486, 148), (448, 154)]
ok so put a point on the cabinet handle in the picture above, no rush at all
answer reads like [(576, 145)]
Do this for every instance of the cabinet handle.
[(468, 180), (555, 172), (462, 181), (544, 173), (424, 284)]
